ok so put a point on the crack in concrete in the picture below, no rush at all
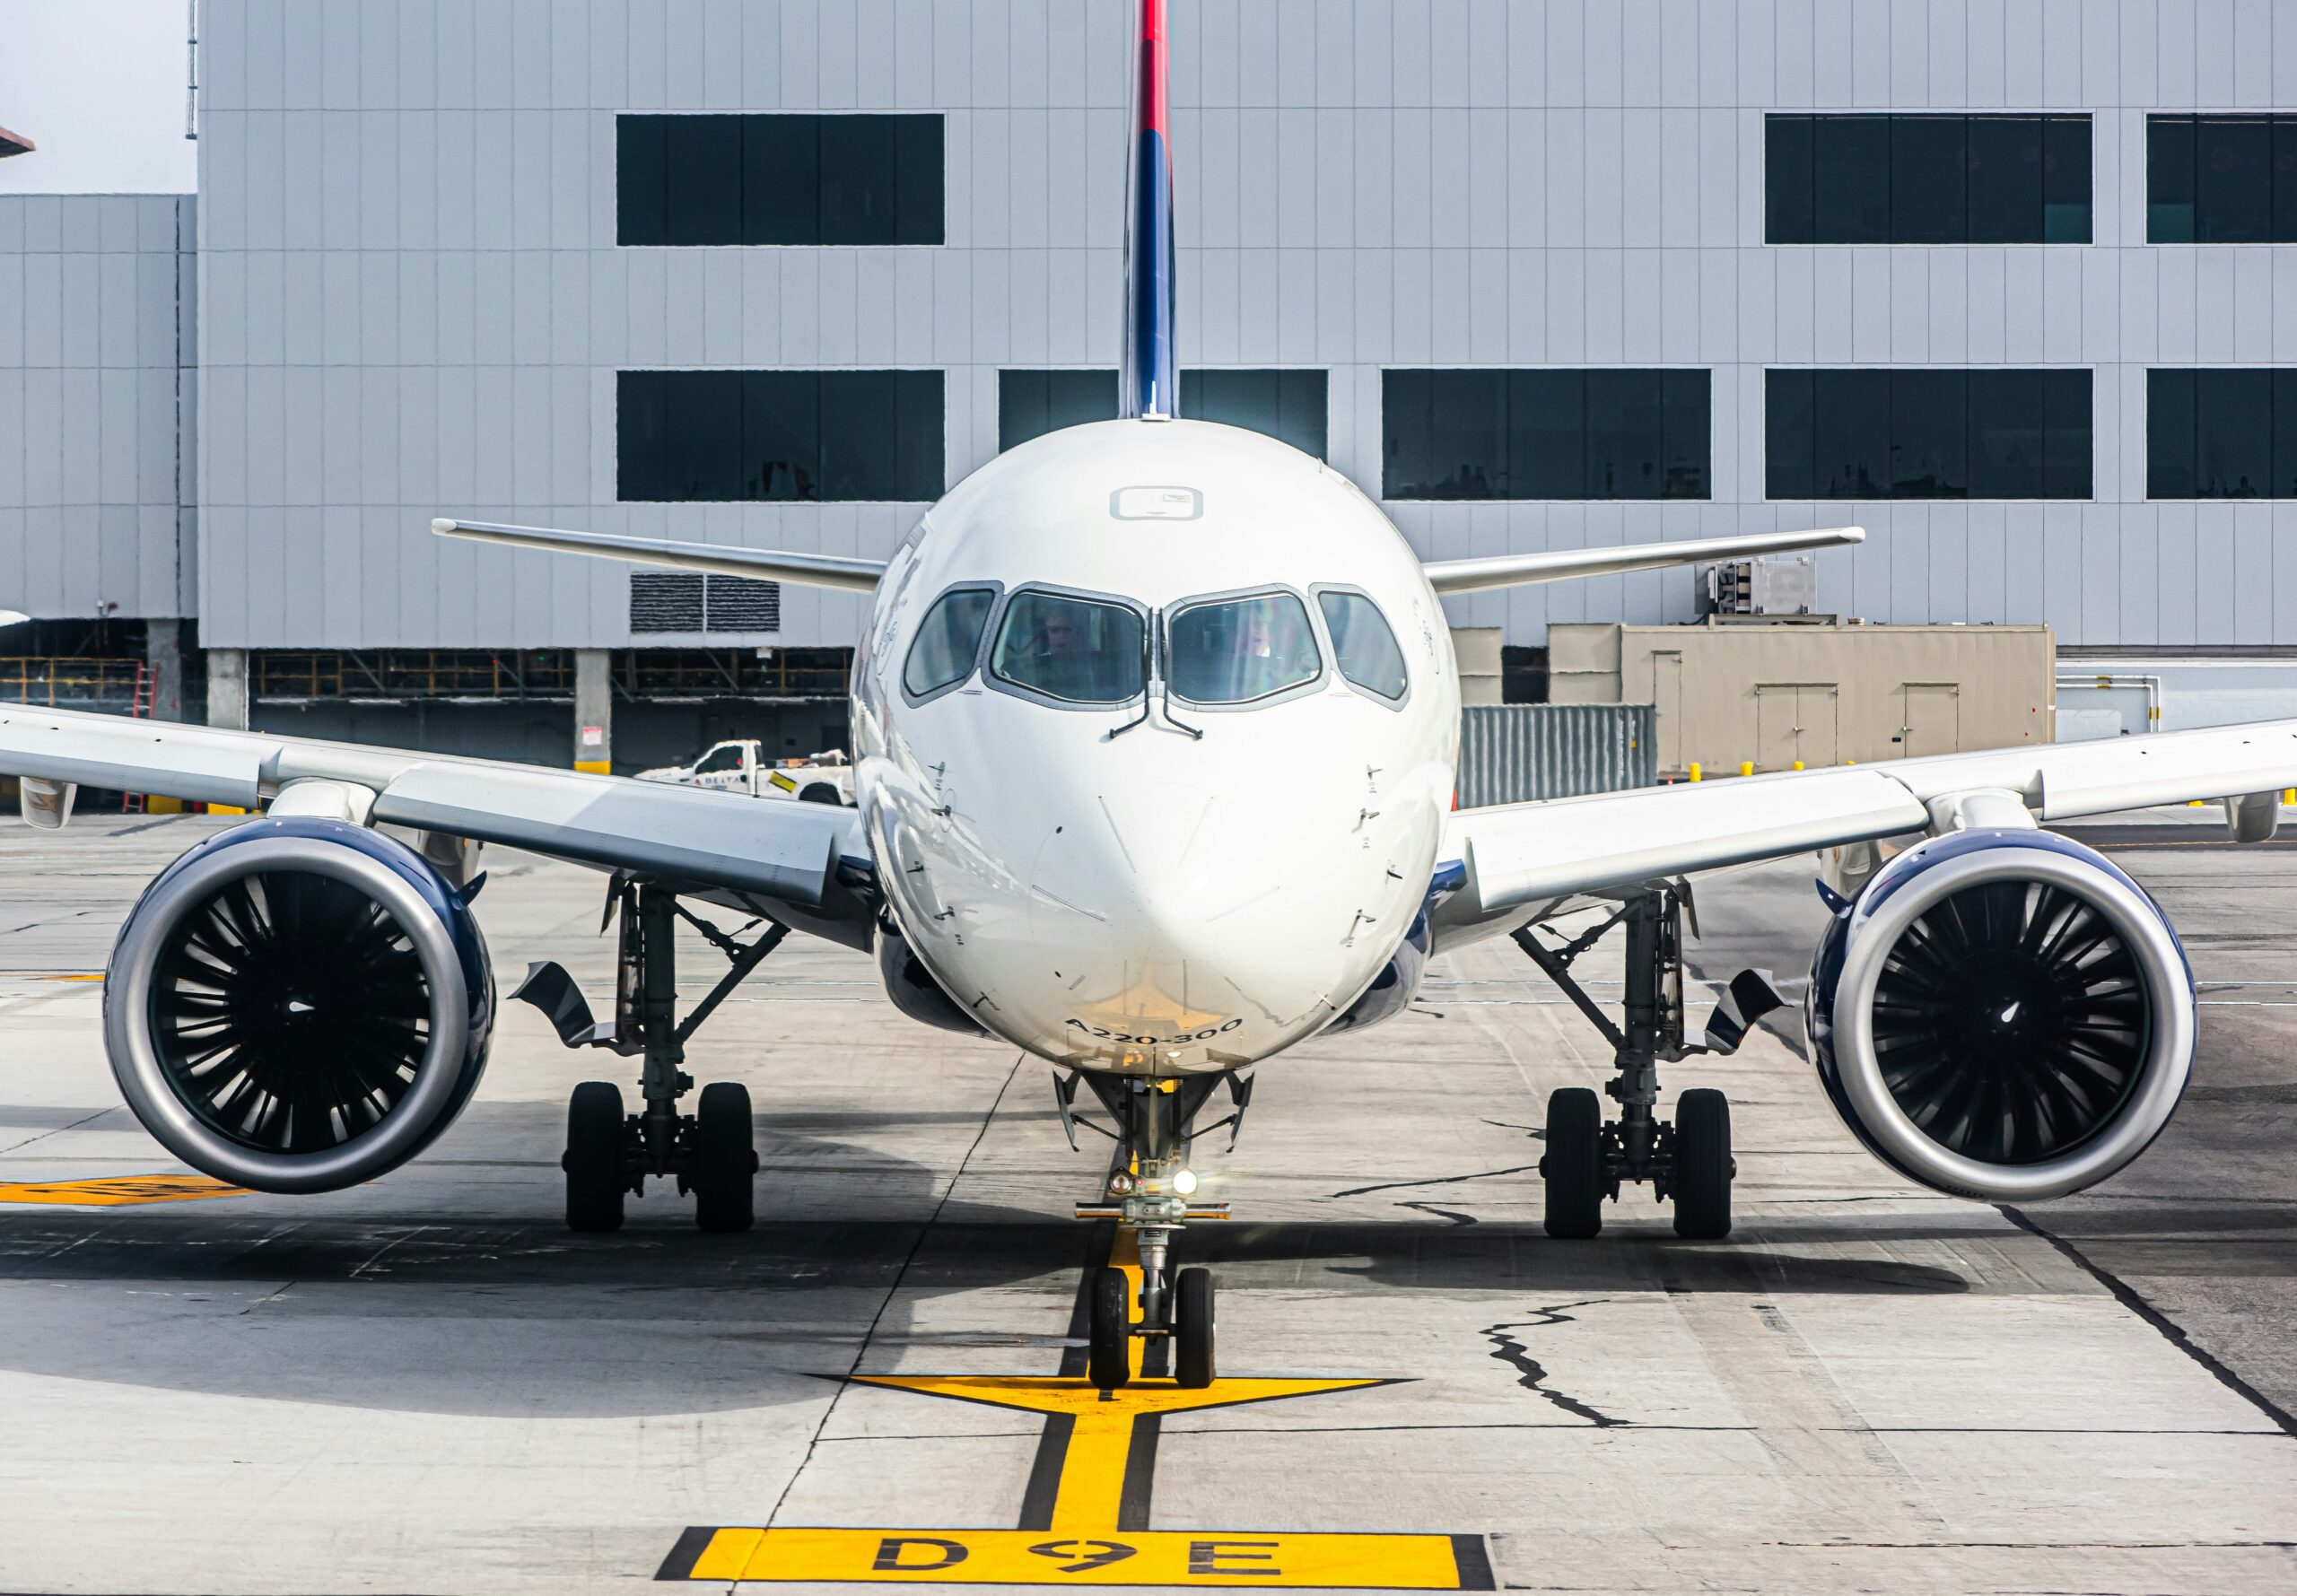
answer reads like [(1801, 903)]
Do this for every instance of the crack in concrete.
[(1532, 1374)]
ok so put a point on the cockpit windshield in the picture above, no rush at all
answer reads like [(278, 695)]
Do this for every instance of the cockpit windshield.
[(1235, 650), (1075, 649)]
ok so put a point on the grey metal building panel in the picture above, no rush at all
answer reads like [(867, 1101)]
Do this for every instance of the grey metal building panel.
[(1363, 184), (94, 400)]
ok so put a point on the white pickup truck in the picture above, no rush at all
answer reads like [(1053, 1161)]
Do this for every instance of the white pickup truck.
[(740, 765)]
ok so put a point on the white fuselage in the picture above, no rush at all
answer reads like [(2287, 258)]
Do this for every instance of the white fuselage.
[(1141, 899)]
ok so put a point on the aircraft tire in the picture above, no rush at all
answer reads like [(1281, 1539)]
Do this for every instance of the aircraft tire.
[(725, 1159), (1573, 1166), (1703, 1165), (594, 1180), (1108, 1360), (1193, 1368)]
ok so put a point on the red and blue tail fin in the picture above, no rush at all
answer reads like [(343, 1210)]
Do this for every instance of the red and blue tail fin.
[(1151, 379)]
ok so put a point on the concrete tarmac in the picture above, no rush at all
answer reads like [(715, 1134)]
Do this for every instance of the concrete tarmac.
[(428, 1385)]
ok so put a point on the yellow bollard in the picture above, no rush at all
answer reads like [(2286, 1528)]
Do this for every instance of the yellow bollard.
[(1798, 764), (2289, 795), (1694, 770), (1746, 767)]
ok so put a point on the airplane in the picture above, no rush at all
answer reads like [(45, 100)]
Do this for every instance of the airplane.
[(1156, 724)]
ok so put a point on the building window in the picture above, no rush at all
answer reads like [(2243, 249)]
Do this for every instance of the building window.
[(1289, 404), (2222, 434), (1286, 405), (778, 179), (779, 436), (1032, 403), (2221, 180), (1926, 179), (1545, 435), (680, 601), (1928, 434)]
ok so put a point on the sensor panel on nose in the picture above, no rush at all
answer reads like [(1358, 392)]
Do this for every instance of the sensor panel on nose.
[(1156, 504)]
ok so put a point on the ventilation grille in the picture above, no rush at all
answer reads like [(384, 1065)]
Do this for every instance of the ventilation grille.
[(668, 601)]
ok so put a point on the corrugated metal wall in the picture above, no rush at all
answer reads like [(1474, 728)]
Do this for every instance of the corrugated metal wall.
[(96, 349), (1511, 753), (415, 305)]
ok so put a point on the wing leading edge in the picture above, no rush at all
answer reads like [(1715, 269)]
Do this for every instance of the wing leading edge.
[(1521, 856), (848, 573), (786, 852)]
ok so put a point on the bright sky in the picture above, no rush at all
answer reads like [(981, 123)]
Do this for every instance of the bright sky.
[(97, 85)]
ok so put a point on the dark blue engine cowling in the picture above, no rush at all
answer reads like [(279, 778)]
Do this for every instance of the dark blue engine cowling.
[(1398, 982), (2003, 1013), (298, 1005), (915, 990)]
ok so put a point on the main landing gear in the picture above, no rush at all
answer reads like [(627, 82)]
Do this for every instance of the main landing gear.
[(1687, 1160), (1147, 1188), (610, 1154)]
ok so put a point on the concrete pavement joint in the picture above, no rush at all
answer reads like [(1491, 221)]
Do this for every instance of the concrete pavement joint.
[(2283, 1419)]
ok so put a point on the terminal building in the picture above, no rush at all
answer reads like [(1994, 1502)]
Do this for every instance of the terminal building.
[(2012, 285)]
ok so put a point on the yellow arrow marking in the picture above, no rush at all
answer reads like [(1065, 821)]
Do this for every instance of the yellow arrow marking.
[(1100, 1440), (119, 1190)]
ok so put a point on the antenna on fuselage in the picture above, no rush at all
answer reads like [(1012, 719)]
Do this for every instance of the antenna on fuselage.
[(1151, 387)]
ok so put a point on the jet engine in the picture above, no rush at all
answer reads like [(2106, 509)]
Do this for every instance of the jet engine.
[(298, 1005), (2001, 1015)]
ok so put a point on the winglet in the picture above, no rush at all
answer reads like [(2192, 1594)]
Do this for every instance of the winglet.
[(817, 570)]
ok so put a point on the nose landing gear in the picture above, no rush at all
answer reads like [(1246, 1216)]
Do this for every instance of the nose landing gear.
[(1687, 1160), (1167, 1313)]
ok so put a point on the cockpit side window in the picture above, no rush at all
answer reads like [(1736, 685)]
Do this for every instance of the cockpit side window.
[(1078, 650), (1368, 655), (949, 640), (1239, 650)]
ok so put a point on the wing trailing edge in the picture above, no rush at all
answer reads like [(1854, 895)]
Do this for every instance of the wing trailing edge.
[(847, 572), (1555, 566)]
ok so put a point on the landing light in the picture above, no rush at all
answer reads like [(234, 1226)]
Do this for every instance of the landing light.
[(1120, 1183), (1185, 1182)]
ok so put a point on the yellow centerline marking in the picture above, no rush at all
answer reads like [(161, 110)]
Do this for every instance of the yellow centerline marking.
[(1100, 1444)]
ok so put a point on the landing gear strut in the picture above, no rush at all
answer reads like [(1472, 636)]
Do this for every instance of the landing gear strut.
[(610, 1154), (1689, 1160), (1149, 1184)]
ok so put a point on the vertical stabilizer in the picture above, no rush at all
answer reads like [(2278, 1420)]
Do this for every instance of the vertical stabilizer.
[(1151, 382)]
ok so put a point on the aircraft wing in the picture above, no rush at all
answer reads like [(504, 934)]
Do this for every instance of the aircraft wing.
[(1522, 859), (1555, 566), (848, 573), (780, 856)]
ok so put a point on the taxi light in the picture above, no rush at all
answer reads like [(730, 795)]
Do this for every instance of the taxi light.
[(1185, 1182), (1120, 1183)]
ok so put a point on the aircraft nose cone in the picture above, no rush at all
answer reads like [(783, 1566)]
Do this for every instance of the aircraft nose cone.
[(1167, 906)]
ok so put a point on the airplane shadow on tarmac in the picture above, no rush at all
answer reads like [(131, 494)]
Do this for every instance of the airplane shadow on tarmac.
[(460, 1291)]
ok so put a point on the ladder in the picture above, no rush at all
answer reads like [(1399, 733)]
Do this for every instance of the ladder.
[(140, 708)]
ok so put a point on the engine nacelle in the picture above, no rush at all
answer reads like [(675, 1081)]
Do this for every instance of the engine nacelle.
[(298, 1005), (916, 990), (2002, 1014)]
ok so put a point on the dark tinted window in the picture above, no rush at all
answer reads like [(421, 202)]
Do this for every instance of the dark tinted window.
[(779, 435), (1928, 434), (2222, 434), (1604, 433), (1926, 179), (778, 179), (1072, 649), (948, 640), (1365, 647), (1233, 651), (1287, 405), (1031, 404), (2223, 179)]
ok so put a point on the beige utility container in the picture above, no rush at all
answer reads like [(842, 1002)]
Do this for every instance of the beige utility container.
[(1731, 691)]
